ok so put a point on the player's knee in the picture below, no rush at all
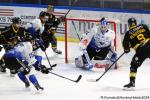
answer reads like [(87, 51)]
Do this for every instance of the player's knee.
[(135, 64), (30, 73)]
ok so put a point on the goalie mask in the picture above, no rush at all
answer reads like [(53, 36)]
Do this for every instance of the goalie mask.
[(103, 26), (132, 22)]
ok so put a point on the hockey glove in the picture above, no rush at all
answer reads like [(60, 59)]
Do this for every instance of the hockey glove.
[(62, 18), (44, 69)]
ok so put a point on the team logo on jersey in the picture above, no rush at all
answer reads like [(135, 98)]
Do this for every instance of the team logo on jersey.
[(97, 65)]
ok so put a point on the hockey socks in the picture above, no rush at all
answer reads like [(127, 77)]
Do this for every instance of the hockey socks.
[(34, 81), (23, 78)]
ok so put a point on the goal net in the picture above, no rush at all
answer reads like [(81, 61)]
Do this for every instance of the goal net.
[(80, 26)]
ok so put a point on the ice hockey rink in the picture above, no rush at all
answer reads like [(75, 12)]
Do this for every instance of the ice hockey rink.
[(109, 87)]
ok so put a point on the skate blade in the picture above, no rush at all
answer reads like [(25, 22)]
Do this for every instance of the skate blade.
[(129, 89), (27, 89), (40, 91)]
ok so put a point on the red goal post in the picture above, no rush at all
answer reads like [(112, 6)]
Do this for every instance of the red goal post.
[(81, 26)]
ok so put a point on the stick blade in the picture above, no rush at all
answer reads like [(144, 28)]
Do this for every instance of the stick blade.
[(54, 65), (97, 79), (79, 78)]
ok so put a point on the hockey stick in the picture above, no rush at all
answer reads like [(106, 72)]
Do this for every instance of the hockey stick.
[(77, 80), (51, 66), (76, 30), (95, 80), (71, 8), (47, 57)]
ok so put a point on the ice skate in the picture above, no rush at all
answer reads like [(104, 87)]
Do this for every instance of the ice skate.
[(129, 87), (38, 87)]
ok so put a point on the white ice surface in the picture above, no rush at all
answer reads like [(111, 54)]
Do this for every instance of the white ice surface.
[(56, 88)]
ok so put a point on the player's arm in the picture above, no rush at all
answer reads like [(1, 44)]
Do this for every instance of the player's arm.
[(5, 36), (29, 28), (35, 27), (147, 29), (57, 21), (126, 43)]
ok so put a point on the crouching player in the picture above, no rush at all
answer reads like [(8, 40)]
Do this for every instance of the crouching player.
[(96, 46), (21, 59)]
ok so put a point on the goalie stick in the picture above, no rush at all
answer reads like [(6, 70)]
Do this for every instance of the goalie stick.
[(96, 80), (51, 66), (77, 80)]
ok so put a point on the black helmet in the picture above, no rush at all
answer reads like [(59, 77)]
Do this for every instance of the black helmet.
[(43, 13), (16, 20), (132, 22), (103, 18)]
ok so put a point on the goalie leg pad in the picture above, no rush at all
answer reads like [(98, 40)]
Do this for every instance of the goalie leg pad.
[(106, 63), (101, 63), (79, 62)]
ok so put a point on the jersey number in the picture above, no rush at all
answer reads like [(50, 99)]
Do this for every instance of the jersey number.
[(141, 38)]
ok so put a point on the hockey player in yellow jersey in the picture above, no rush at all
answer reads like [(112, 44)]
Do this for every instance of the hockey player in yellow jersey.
[(138, 38)]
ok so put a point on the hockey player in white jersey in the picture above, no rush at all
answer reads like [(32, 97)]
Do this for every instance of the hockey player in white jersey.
[(22, 59), (36, 28), (96, 46)]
